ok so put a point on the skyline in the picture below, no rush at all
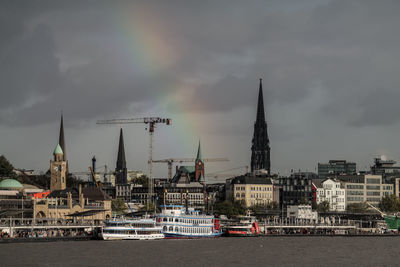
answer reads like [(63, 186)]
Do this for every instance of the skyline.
[(328, 68)]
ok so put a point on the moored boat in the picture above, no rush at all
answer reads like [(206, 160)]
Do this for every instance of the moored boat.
[(135, 229), (243, 226), (180, 222)]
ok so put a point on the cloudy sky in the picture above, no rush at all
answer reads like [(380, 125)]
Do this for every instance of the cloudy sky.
[(330, 74)]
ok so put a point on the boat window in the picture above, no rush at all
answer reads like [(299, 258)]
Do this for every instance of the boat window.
[(165, 228), (165, 219), (176, 220), (171, 228)]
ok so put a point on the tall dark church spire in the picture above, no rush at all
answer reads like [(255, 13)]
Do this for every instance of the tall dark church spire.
[(120, 170), (61, 139), (260, 149)]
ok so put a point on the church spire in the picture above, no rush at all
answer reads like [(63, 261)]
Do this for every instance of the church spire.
[(120, 170), (121, 161), (199, 154), (260, 149), (61, 139), (260, 106)]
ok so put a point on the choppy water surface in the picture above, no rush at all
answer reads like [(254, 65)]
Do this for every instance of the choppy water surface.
[(262, 251)]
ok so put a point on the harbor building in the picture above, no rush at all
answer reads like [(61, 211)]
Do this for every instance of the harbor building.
[(365, 188), (336, 167), (297, 188), (260, 148), (331, 191), (88, 202), (251, 190)]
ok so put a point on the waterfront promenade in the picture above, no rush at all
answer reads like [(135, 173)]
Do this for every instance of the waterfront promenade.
[(261, 251)]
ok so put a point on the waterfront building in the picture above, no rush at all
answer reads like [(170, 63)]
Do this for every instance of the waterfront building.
[(16, 198), (88, 202), (336, 167), (297, 188), (251, 190), (332, 192), (365, 188), (260, 148), (302, 212)]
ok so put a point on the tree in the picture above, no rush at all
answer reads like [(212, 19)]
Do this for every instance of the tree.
[(273, 205), (229, 208), (6, 168), (118, 205), (323, 206), (390, 203), (143, 180)]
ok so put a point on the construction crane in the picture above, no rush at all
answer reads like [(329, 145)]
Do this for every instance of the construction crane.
[(94, 177), (151, 121), (171, 161), (218, 174)]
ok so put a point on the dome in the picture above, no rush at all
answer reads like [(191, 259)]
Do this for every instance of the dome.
[(58, 150), (10, 184)]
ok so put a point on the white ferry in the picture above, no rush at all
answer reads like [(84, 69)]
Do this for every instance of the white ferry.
[(178, 222), (136, 229)]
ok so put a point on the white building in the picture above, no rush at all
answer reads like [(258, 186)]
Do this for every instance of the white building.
[(301, 212), (331, 191)]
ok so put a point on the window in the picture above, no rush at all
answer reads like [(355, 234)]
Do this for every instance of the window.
[(373, 181)]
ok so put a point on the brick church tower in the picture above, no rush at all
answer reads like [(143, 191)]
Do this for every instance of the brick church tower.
[(199, 166)]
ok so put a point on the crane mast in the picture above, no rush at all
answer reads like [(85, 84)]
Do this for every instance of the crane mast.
[(152, 121)]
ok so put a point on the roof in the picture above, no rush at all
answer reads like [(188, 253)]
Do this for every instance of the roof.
[(246, 179), (94, 193), (10, 184), (64, 193), (58, 150), (199, 154), (189, 170)]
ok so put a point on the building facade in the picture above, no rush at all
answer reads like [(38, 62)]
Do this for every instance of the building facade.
[(297, 189), (332, 192), (365, 188), (336, 167), (252, 190)]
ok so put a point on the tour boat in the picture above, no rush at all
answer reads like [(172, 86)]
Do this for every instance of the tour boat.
[(135, 229), (180, 222), (243, 226)]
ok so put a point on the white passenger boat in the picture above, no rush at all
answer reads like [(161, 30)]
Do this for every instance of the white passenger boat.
[(136, 229), (178, 222)]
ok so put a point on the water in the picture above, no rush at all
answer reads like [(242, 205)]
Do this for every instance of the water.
[(261, 251)]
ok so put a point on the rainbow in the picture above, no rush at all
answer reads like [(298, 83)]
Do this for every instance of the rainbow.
[(148, 48)]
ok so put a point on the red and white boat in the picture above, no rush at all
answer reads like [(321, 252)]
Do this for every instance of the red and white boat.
[(243, 226)]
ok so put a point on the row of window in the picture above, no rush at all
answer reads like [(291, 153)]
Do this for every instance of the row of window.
[(189, 221), (189, 230)]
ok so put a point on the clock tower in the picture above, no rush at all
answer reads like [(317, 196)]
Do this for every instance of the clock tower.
[(58, 170)]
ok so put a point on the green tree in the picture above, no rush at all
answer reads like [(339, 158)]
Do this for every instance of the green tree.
[(118, 205), (390, 203), (323, 206), (229, 208), (6, 168), (143, 180)]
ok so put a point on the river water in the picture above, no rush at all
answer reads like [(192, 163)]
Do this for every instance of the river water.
[(254, 251)]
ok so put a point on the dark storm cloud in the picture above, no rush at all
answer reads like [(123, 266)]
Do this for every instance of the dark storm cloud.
[(63, 56)]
